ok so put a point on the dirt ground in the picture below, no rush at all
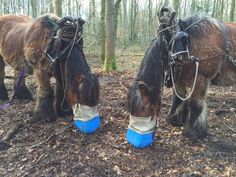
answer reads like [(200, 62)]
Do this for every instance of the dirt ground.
[(57, 149)]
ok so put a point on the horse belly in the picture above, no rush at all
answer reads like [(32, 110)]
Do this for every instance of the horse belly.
[(12, 50)]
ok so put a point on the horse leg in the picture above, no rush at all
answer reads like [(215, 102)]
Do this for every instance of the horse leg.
[(3, 90), (195, 126), (179, 108), (59, 102), (21, 90), (44, 109)]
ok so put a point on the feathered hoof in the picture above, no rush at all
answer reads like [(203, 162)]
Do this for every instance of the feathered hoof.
[(44, 117), (195, 133), (3, 93), (174, 121), (23, 93)]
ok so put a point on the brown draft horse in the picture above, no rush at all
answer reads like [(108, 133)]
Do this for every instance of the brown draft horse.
[(210, 43), (22, 46)]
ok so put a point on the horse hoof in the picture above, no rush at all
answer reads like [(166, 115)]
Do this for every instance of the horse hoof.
[(4, 145), (61, 113), (24, 94), (194, 134), (174, 121), (47, 118), (3, 93)]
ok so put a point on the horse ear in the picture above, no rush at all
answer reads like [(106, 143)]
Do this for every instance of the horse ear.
[(81, 21), (142, 88)]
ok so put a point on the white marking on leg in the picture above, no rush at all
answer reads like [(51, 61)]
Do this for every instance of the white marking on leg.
[(202, 119)]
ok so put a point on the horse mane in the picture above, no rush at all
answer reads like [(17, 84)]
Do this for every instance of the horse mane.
[(151, 73), (48, 20), (76, 65), (197, 25)]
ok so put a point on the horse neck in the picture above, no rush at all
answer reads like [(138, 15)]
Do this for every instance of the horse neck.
[(151, 70), (77, 61)]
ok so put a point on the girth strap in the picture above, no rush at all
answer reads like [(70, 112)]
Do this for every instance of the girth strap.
[(226, 38)]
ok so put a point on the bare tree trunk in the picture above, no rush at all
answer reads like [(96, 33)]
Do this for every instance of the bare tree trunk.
[(176, 6), (51, 7), (102, 32), (207, 4), (133, 14), (214, 9), (34, 8), (57, 7), (116, 10), (149, 19), (125, 23), (110, 60), (69, 7), (232, 9), (222, 10), (193, 5), (78, 8)]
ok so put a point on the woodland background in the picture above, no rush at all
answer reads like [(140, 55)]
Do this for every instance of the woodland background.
[(116, 35), (121, 26)]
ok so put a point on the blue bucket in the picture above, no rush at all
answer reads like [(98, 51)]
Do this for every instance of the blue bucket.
[(140, 140), (89, 126)]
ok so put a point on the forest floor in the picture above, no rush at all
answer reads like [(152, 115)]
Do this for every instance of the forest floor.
[(57, 149)]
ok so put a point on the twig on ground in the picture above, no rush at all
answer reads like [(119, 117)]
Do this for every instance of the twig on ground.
[(50, 137), (12, 131)]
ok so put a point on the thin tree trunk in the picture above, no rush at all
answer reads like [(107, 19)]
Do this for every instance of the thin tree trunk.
[(34, 8), (176, 6), (102, 32), (125, 24), (193, 5), (115, 17), (207, 4), (51, 6), (57, 7), (214, 9), (110, 60), (149, 19), (232, 9), (222, 10)]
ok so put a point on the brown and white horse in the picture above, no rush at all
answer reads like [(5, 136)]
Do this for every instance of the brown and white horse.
[(23, 42), (210, 55)]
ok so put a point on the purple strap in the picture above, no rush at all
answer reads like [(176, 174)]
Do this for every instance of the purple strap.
[(7, 105)]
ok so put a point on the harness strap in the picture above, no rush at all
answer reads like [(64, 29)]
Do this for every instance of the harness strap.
[(226, 38), (226, 54)]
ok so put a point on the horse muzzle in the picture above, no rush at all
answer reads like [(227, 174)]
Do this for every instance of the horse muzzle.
[(141, 131), (86, 118)]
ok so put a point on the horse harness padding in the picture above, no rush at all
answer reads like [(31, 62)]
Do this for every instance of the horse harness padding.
[(71, 31)]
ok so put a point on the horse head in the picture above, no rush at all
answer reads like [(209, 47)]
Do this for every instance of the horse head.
[(144, 97), (77, 83)]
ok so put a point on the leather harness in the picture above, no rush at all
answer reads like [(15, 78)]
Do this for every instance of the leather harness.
[(177, 45)]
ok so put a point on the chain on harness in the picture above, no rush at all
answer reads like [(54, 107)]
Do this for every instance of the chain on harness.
[(67, 30)]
